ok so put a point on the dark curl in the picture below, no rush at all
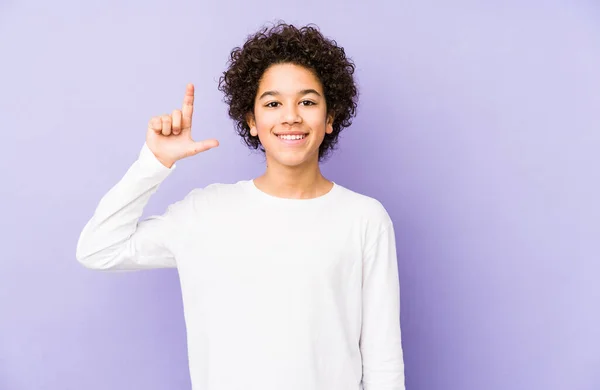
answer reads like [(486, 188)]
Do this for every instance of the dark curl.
[(284, 43)]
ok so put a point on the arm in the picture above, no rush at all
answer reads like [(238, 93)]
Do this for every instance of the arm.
[(380, 343), (114, 238)]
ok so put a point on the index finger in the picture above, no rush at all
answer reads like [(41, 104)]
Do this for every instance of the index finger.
[(188, 107)]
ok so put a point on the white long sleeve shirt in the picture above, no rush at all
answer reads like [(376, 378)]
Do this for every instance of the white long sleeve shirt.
[(294, 294)]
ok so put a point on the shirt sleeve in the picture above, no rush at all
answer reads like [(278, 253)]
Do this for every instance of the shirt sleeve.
[(380, 341), (115, 238)]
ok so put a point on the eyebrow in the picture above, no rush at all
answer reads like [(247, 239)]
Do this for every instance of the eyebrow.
[(277, 93)]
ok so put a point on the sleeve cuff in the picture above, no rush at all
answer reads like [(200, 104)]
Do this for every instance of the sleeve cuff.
[(151, 164), (149, 160)]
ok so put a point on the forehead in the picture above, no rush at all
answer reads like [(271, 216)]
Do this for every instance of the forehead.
[(288, 78)]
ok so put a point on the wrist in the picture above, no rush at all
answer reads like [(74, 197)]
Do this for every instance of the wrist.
[(165, 162)]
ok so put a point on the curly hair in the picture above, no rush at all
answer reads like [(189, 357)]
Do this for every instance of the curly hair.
[(306, 47)]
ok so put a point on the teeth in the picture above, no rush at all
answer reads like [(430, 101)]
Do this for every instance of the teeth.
[(291, 137)]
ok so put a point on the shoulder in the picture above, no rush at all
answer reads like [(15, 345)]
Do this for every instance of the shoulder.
[(212, 198), (221, 192), (366, 208)]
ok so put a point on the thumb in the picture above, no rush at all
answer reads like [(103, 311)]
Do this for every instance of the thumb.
[(201, 146)]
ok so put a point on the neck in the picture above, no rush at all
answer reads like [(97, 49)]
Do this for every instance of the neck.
[(299, 182)]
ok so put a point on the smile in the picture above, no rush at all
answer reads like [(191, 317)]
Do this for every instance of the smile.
[(292, 139)]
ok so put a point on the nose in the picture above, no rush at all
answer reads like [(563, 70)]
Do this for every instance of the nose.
[(290, 115)]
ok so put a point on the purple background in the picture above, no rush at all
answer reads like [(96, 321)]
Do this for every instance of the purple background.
[(478, 129)]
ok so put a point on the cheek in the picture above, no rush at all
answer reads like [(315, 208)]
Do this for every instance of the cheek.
[(265, 118), (318, 123)]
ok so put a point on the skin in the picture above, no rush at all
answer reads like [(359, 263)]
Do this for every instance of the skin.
[(169, 137), (289, 98)]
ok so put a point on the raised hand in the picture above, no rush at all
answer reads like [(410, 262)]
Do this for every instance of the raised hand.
[(169, 137)]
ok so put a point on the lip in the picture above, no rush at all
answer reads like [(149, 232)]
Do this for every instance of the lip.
[(292, 142), (292, 133)]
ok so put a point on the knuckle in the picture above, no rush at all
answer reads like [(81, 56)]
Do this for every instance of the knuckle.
[(154, 123)]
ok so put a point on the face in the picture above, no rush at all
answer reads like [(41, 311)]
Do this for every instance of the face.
[(290, 116)]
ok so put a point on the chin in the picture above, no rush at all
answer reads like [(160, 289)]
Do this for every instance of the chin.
[(292, 160)]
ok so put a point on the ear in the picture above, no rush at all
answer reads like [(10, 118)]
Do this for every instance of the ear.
[(329, 128), (251, 124)]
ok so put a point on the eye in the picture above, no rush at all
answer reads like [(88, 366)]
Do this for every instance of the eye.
[(272, 104), (308, 103)]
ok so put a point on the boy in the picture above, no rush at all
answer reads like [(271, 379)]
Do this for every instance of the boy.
[(289, 281)]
